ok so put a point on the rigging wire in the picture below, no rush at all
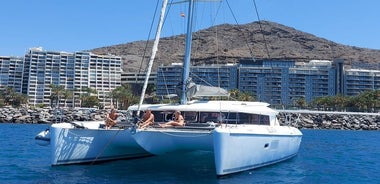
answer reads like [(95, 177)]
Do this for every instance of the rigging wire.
[(237, 23), (105, 147), (150, 32), (261, 29), (162, 71), (198, 46), (266, 85), (147, 40)]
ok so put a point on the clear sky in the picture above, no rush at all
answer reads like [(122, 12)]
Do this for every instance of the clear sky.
[(74, 25)]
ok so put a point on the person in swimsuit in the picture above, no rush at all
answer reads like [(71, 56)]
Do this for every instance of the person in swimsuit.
[(147, 119), (111, 118), (178, 121)]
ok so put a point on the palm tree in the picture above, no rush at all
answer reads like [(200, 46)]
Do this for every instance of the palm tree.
[(377, 99), (234, 93), (89, 98), (58, 92), (20, 99), (11, 97), (123, 96), (340, 102), (300, 102), (8, 94), (246, 96)]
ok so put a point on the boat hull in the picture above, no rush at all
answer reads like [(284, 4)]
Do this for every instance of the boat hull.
[(70, 145), (159, 141), (242, 148)]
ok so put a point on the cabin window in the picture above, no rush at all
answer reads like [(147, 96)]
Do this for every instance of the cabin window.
[(264, 120), (245, 118), (168, 116), (232, 118), (158, 116), (190, 116), (216, 117)]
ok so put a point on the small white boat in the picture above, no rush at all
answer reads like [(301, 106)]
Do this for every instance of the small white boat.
[(43, 138)]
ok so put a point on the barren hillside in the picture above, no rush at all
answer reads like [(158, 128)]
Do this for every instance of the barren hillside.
[(227, 43)]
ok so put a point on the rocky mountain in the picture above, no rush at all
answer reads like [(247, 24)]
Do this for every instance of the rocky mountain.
[(228, 43)]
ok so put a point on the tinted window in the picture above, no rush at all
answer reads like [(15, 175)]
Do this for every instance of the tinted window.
[(244, 118), (212, 116), (190, 116)]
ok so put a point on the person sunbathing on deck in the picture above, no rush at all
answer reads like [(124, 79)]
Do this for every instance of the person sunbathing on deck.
[(178, 121), (147, 119)]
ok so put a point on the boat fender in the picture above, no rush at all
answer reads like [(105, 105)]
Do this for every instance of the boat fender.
[(210, 123), (43, 138)]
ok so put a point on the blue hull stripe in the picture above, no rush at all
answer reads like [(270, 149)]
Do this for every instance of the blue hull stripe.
[(263, 135), (87, 160)]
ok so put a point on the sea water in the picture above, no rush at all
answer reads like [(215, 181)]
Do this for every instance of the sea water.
[(325, 156)]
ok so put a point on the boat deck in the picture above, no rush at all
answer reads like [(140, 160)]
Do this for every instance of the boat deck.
[(189, 126)]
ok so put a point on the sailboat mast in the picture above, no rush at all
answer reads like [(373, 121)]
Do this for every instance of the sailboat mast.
[(154, 51), (186, 63)]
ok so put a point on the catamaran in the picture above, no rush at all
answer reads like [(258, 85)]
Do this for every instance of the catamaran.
[(242, 135)]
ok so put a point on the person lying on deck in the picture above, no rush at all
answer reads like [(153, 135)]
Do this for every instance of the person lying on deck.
[(178, 121)]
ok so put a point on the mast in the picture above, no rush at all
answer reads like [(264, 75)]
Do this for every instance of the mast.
[(154, 51), (186, 62)]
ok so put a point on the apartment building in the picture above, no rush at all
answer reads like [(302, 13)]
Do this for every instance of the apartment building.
[(11, 70), (170, 77), (138, 78), (278, 82), (76, 71), (266, 79), (359, 80), (310, 80)]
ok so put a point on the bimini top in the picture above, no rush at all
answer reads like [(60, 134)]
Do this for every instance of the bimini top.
[(212, 106)]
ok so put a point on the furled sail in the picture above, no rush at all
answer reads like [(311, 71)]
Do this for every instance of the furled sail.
[(195, 90)]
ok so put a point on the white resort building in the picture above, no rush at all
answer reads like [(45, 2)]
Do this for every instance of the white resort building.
[(75, 71)]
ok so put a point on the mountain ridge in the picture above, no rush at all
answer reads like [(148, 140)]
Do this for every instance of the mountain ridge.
[(227, 43)]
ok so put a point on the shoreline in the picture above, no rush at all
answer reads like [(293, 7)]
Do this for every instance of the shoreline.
[(330, 120), (302, 119), (48, 115)]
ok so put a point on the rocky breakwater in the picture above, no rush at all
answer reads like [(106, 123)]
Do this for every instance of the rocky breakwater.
[(329, 120), (304, 120), (48, 116)]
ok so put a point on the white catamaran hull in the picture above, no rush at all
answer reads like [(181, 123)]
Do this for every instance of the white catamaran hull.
[(70, 145), (241, 148), (159, 141)]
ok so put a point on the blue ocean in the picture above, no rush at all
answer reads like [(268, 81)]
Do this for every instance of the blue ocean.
[(325, 156)]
